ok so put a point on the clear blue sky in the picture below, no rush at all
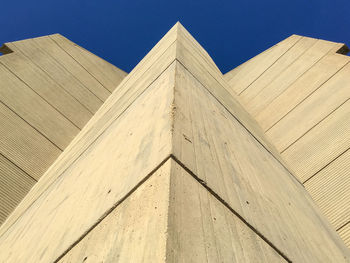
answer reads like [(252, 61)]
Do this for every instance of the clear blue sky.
[(123, 31)]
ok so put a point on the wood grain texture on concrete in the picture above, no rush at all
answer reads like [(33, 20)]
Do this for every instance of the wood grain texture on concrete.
[(48, 45), (149, 69), (295, 70), (312, 110), (303, 87), (46, 88), (135, 231), (57, 72), (104, 72), (159, 59), (283, 63), (330, 189), (14, 185), (29, 106), (193, 57), (211, 143), (223, 195), (24, 146), (128, 150), (303, 110), (40, 112), (171, 218), (243, 76), (322, 144), (202, 229)]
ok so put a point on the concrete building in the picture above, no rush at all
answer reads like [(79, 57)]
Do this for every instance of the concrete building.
[(174, 162)]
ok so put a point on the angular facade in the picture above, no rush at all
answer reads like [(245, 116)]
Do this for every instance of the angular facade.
[(49, 89), (179, 164), (298, 91)]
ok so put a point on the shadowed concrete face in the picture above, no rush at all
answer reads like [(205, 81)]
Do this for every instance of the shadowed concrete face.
[(170, 169)]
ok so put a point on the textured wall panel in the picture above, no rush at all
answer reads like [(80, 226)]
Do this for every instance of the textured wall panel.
[(172, 218), (312, 110), (295, 70), (244, 75), (303, 87), (107, 74), (14, 185), (23, 145), (232, 196), (303, 109), (321, 145), (277, 68), (330, 189), (43, 107), (58, 73), (345, 234), (223, 155), (32, 108), (47, 44), (43, 85)]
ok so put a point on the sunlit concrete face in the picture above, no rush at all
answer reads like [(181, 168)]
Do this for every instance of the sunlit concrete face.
[(49, 89), (298, 91), (175, 167)]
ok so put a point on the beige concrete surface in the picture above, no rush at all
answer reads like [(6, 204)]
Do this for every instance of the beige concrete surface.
[(222, 193), (171, 218), (301, 99), (344, 232), (46, 99)]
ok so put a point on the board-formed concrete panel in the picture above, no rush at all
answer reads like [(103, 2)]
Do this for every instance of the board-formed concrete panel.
[(128, 150), (304, 112), (171, 217), (222, 191)]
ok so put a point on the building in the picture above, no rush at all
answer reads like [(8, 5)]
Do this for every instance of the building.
[(175, 162)]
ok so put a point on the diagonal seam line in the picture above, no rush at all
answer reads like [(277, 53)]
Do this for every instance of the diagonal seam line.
[(305, 71), (339, 228), (124, 81), (314, 126), (269, 66), (222, 201), (324, 167), (50, 77), (20, 168), (284, 166), (102, 132), (40, 96), (309, 95), (284, 70), (110, 210), (201, 182), (80, 66), (70, 73), (32, 126)]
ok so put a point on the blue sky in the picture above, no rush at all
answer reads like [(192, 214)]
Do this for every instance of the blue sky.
[(123, 31)]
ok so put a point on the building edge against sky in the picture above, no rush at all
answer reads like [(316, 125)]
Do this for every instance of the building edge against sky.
[(228, 154)]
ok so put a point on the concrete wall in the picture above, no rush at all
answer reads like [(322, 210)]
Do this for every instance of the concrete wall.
[(49, 89), (170, 169), (298, 91)]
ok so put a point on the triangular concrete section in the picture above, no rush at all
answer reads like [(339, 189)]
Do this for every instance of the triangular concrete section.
[(170, 169)]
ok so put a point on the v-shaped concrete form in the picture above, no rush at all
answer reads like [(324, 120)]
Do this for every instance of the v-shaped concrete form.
[(170, 169)]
